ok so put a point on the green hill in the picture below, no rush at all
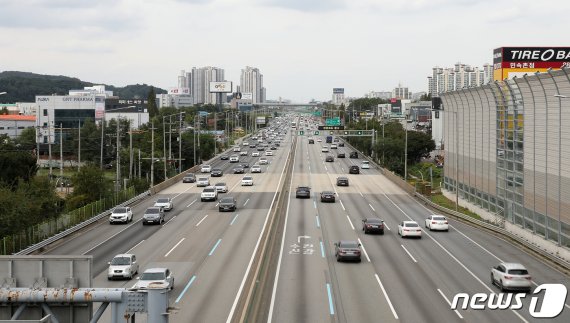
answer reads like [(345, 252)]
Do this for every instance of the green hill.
[(24, 86)]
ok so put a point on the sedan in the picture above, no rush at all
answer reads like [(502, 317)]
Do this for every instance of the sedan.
[(325, 149), (256, 169), (238, 170), (155, 276), (341, 144), (205, 169), (244, 165), (268, 153), (370, 225), (340, 155), (189, 178), (510, 276), (228, 203), (221, 187), (303, 192), (255, 154), (409, 229), (329, 158), (347, 250), (328, 196), (203, 182), (437, 222), (225, 157), (342, 181), (247, 181), (243, 153), (217, 172)]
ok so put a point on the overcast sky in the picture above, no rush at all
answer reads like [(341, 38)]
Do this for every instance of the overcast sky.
[(303, 48)]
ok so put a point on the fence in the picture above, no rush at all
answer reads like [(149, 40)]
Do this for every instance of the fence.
[(37, 233)]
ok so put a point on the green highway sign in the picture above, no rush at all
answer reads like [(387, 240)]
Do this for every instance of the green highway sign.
[(301, 133), (332, 121)]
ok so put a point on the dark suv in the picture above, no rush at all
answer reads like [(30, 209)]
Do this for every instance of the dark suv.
[(228, 203), (303, 192), (329, 158), (340, 155), (353, 154), (354, 169), (342, 181), (311, 141)]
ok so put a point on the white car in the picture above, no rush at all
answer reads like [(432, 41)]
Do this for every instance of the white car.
[(256, 169), (245, 143), (155, 276), (203, 181), (236, 149), (205, 169), (319, 140), (409, 229), (234, 158), (269, 153), (247, 181), (334, 146), (437, 222), (123, 266), (263, 161), (365, 164), (325, 149), (165, 203), (509, 276), (255, 154), (209, 193), (243, 153), (122, 214), (221, 187)]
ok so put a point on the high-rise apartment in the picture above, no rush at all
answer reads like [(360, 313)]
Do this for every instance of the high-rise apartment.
[(401, 92), (251, 81), (200, 84), (458, 77)]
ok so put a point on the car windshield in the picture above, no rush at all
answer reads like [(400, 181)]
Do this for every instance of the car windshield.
[(120, 261), (208, 190), (162, 200), (227, 200), (120, 210), (153, 211), (518, 272), (349, 244), (220, 184), (203, 179), (247, 178), (303, 188), (206, 166), (374, 221), (411, 224), (216, 170), (152, 276)]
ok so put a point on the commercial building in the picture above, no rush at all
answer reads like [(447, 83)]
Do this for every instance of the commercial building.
[(12, 125), (386, 95), (338, 96), (458, 77), (507, 152), (251, 81), (401, 92)]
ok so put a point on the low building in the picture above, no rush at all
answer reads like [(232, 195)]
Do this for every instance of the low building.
[(13, 124)]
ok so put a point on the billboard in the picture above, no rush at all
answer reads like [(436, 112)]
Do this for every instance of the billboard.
[(338, 90), (179, 90), (260, 120), (247, 96), (220, 87), (509, 62)]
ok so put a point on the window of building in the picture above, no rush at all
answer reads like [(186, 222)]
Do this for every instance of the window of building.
[(45, 112)]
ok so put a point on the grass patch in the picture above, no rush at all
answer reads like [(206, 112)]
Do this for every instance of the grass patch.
[(441, 200)]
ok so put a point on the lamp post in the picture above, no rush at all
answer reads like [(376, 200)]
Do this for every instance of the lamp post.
[(456, 156), (560, 97)]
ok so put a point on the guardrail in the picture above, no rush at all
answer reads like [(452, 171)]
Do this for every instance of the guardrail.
[(77, 227)]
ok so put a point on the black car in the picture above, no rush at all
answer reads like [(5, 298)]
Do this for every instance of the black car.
[(353, 154), (228, 203), (342, 181), (327, 196), (239, 170), (329, 158), (354, 169), (311, 141), (373, 225), (347, 250), (303, 192), (244, 165), (225, 157), (273, 148), (216, 172), (341, 144), (340, 155), (189, 178)]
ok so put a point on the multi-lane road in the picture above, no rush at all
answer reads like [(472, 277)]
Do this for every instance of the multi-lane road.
[(407, 280)]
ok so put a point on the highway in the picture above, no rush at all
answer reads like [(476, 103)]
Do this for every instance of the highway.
[(406, 280)]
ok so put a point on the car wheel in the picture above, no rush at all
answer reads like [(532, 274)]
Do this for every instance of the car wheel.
[(492, 279), (338, 258), (501, 287), (382, 232), (144, 223)]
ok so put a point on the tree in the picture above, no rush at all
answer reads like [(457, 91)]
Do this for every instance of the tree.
[(15, 164), (425, 97), (89, 185), (152, 108)]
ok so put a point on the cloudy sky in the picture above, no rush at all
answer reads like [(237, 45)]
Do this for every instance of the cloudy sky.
[(303, 48)]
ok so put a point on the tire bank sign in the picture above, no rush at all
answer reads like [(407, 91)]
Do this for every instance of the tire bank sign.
[(509, 62)]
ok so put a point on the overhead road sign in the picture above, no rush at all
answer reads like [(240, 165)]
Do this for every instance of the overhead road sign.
[(331, 127), (332, 121)]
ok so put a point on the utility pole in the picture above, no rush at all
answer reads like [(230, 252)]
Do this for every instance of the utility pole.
[(215, 133), (118, 165), (79, 148), (49, 147), (199, 152), (130, 150), (60, 149), (102, 140), (151, 156), (194, 142), (170, 137), (180, 145), (164, 144), (140, 163)]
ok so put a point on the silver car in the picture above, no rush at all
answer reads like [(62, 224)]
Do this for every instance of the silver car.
[(123, 266), (510, 276), (155, 276), (153, 215)]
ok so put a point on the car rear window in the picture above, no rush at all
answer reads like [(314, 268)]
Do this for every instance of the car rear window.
[(349, 244), (203, 179), (439, 218), (412, 225), (518, 272), (153, 210), (247, 178), (374, 221), (120, 210), (227, 200), (152, 276), (162, 200), (220, 184), (121, 261)]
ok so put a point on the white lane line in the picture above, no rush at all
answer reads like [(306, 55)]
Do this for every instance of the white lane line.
[(386, 296), (169, 220), (352, 226), (186, 190), (111, 237), (449, 303), (385, 225), (318, 222), (342, 205), (191, 203), (326, 168), (204, 218), (371, 207), (454, 258), (244, 204), (360, 193), (176, 245), (409, 254), (364, 250), (315, 204), (134, 246)]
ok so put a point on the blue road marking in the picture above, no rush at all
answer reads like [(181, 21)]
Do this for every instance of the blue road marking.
[(331, 307), (235, 217), (185, 289), (322, 250), (318, 222), (213, 249)]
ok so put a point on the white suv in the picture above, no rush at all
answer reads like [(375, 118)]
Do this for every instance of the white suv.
[(256, 169), (209, 193), (234, 158), (205, 169), (123, 266), (263, 161), (202, 182), (165, 203), (121, 214)]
